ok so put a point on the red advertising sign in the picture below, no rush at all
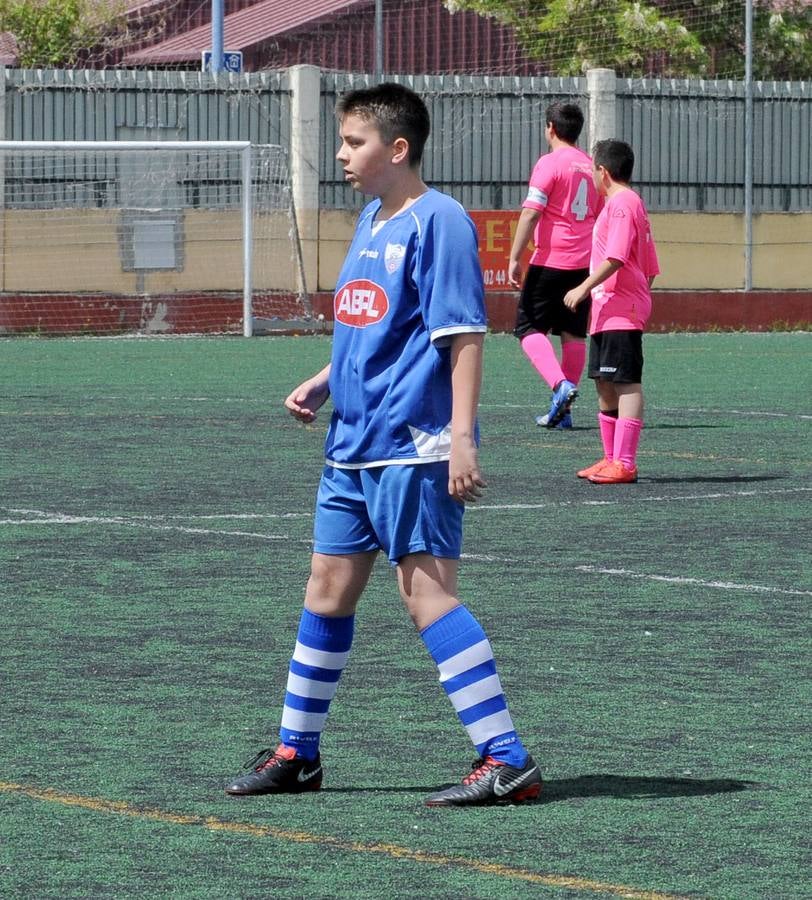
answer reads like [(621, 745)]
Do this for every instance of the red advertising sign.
[(496, 228)]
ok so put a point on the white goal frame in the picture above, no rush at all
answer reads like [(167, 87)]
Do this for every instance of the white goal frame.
[(246, 152)]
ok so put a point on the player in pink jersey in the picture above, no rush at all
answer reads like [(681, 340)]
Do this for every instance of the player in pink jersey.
[(559, 213), (623, 265)]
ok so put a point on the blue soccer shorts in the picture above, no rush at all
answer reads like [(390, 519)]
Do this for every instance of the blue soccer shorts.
[(397, 509)]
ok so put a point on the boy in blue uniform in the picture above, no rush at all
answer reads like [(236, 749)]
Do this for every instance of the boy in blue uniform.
[(401, 455)]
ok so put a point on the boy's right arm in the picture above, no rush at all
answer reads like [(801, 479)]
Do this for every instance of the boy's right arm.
[(605, 269), (304, 401), (523, 236)]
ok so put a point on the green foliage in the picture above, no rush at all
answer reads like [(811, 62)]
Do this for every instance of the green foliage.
[(658, 37), (782, 37), (623, 36), (56, 32)]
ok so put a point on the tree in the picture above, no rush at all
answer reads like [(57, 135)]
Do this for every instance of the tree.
[(782, 38), (657, 37), (58, 32)]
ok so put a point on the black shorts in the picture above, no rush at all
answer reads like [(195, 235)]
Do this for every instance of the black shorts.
[(541, 306), (616, 356)]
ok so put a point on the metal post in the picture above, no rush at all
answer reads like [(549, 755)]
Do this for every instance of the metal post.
[(379, 40), (217, 14), (2, 179), (247, 242), (748, 145)]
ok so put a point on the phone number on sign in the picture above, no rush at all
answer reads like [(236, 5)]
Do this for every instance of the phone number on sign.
[(496, 229), (494, 277)]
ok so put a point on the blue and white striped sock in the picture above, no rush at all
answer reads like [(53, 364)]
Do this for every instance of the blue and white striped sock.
[(468, 674), (322, 649)]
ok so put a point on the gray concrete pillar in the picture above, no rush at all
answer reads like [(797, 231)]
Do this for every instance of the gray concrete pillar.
[(602, 89), (305, 87)]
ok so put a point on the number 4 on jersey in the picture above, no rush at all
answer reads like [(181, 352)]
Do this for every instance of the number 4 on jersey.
[(580, 206)]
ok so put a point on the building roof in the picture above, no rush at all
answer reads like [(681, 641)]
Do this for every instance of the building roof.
[(8, 49), (257, 23)]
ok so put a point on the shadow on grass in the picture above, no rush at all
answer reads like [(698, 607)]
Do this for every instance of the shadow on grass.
[(631, 787), (671, 426), (621, 787), (713, 479), (662, 426)]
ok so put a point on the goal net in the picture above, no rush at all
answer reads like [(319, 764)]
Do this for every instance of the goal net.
[(148, 237)]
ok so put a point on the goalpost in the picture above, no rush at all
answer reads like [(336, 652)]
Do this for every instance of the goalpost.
[(116, 237)]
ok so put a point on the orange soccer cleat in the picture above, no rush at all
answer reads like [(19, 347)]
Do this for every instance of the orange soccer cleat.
[(614, 473)]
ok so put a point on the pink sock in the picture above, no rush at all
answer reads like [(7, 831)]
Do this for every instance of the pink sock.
[(573, 357), (540, 352), (606, 424), (627, 437)]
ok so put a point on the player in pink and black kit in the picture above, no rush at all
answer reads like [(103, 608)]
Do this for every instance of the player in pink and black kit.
[(558, 213), (623, 266)]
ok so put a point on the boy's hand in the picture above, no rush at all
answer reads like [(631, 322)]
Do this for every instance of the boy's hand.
[(465, 481), (303, 402), (515, 273), (574, 297)]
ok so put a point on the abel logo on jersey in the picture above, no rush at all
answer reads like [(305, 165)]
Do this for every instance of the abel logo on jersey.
[(360, 303)]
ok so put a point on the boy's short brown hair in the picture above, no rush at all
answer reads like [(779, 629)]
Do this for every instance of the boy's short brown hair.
[(617, 157), (395, 110)]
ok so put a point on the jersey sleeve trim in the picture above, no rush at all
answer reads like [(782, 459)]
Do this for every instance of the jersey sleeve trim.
[(375, 464), (440, 337)]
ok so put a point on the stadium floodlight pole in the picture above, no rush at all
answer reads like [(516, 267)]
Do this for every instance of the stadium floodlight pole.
[(748, 145), (379, 40), (248, 243), (217, 46)]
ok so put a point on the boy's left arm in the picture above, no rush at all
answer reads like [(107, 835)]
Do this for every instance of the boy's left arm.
[(465, 481)]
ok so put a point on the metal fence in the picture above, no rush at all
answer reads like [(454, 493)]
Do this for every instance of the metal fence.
[(688, 137), (487, 131), (128, 104)]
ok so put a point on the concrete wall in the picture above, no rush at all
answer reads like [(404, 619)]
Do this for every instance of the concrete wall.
[(80, 251), (697, 251)]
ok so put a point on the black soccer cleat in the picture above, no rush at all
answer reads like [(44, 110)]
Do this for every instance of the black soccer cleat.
[(278, 771), (492, 782)]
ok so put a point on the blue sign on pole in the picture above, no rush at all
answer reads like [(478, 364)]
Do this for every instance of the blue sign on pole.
[(232, 61)]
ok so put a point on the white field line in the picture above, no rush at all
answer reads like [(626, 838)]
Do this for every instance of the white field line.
[(47, 518), (716, 495), (671, 410), (60, 518), (700, 582), (217, 516), (734, 412)]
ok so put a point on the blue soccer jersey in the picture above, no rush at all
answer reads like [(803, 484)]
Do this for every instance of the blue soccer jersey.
[(406, 287)]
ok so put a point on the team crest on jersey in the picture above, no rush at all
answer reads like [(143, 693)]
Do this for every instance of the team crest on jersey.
[(360, 303), (393, 257)]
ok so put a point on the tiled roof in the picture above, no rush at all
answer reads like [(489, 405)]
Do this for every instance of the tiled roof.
[(250, 26), (8, 49)]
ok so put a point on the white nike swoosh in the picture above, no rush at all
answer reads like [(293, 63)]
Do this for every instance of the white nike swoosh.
[(501, 789), (306, 776)]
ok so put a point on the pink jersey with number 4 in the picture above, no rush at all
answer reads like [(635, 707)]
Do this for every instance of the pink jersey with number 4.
[(561, 188), (623, 232)]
